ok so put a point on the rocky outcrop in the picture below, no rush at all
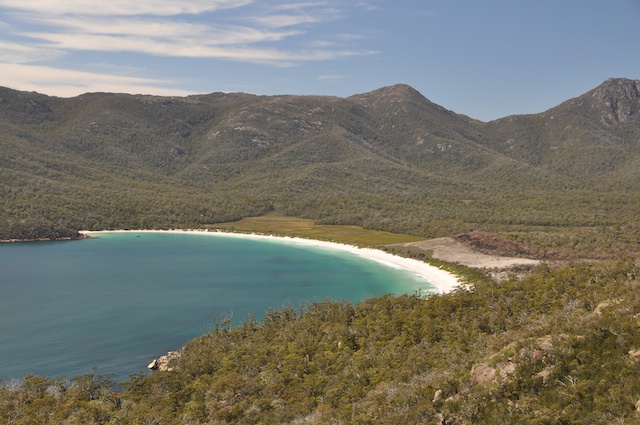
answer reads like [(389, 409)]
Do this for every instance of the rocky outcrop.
[(617, 100), (165, 363)]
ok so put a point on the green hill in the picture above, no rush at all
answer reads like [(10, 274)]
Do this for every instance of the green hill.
[(559, 346), (387, 160)]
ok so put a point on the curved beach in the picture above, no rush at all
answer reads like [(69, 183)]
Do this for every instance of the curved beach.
[(441, 279)]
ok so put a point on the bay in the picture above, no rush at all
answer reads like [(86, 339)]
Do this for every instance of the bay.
[(112, 303)]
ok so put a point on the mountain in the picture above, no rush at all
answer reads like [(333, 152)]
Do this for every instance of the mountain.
[(388, 159), (596, 134)]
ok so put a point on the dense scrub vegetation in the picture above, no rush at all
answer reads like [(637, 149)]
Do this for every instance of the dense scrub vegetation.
[(30, 231), (558, 346), (388, 160)]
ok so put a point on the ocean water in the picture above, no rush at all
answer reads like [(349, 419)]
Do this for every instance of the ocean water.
[(112, 303)]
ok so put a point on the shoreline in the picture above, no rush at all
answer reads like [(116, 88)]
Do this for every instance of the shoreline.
[(443, 281), (65, 238)]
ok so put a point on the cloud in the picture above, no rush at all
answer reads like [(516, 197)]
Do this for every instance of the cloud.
[(301, 13), (301, 5), (37, 32), (84, 31), (121, 26), (67, 83), (226, 46), (192, 48), (121, 7), (21, 53), (160, 36), (279, 21), (367, 5)]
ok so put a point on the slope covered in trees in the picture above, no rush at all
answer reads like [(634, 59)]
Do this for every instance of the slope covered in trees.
[(559, 346), (388, 160)]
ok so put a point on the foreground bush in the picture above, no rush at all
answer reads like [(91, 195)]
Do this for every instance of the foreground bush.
[(559, 346)]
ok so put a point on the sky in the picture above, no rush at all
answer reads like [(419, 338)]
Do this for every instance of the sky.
[(485, 59)]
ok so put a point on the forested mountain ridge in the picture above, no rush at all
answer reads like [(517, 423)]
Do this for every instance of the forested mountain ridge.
[(596, 134), (559, 345), (388, 159)]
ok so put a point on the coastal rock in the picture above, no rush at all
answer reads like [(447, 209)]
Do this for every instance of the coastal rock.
[(165, 363)]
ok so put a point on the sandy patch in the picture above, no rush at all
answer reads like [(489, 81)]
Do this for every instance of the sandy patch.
[(442, 280), (447, 249)]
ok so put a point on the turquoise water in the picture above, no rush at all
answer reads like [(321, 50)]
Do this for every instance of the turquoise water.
[(116, 301)]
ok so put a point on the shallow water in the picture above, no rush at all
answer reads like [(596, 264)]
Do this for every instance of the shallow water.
[(114, 302)]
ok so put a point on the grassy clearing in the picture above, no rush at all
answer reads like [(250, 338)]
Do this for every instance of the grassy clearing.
[(273, 224), (297, 227)]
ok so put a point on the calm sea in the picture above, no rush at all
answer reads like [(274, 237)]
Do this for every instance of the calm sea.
[(114, 302)]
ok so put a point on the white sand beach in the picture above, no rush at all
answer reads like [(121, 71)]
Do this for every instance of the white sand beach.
[(443, 280)]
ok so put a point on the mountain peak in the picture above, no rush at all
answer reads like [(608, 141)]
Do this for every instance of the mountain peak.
[(619, 82), (400, 89), (618, 99), (618, 88), (394, 92)]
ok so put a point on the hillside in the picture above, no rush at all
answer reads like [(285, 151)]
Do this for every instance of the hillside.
[(387, 160), (596, 134), (557, 347)]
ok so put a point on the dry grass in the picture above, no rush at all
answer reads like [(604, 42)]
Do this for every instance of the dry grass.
[(297, 227)]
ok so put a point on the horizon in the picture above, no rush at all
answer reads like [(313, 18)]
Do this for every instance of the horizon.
[(486, 61), (320, 95)]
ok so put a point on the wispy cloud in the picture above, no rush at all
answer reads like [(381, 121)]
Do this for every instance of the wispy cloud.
[(146, 36), (163, 36), (367, 5), (36, 32), (301, 5), (121, 7), (22, 53), (65, 83), (279, 21), (190, 48)]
